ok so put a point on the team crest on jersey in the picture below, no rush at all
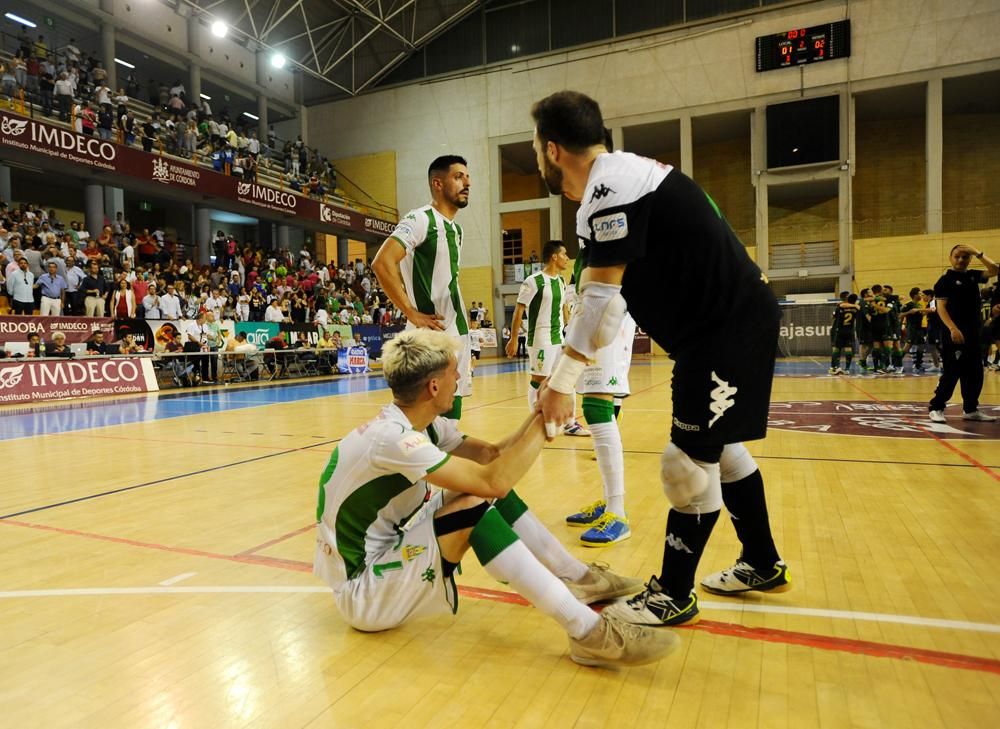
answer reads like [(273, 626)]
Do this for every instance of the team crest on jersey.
[(412, 442), (610, 227), (412, 551)]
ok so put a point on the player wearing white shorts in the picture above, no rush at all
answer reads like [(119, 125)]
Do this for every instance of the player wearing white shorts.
[(417, 265), (542, 299), (388, 545), (604, 384)]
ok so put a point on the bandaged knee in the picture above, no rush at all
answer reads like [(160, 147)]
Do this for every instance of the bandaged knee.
[(692, 487), (599, 314), (736, 463)]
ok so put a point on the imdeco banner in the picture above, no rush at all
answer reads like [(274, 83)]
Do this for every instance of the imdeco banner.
[(34, 380)]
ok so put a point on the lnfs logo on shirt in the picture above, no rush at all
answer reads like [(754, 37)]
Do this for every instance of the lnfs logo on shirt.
[(601, 192), (610, 227)]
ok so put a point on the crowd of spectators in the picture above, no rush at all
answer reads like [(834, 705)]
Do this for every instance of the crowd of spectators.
[(73, 85), (49, 267)]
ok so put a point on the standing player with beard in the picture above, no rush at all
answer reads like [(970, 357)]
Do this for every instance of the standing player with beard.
[(642, 223), (417, 265)]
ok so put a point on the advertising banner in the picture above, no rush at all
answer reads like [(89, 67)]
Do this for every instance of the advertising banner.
[(805, 330), (293, 330), (259, 333), (36, 380), (35, 136), (76, 328), (164, 332), (489, 338), (371, 336), (138, 328), (352, 360)]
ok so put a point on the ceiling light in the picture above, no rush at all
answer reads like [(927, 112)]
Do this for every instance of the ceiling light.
[(19, 19), (219, 29), (126, 64), (278, 60), (252, 116), (206, 97)]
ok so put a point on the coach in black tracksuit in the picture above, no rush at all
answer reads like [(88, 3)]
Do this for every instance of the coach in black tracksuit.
[(957, 297)]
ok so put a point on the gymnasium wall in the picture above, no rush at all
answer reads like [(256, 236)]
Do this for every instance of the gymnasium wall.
[(640, 79)]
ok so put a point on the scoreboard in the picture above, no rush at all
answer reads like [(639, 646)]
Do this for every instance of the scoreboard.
[(804, 45)]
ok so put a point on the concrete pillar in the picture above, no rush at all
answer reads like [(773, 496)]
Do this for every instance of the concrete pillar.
[(202, 235), (284, 235), (5, 191), (194, 84), (687, 146), (758, 172), (108, 54), (935, 154), (114, 201), (303, 124), (93, 207), (343, 253), (262, 121)]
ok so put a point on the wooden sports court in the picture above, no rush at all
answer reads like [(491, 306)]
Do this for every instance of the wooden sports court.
[(156, 558)]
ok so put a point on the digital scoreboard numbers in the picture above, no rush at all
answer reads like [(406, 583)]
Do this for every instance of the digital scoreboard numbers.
[(804, 45)]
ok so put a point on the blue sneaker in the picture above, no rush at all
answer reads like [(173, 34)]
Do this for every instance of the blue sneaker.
[(588, 515), (607, 530)]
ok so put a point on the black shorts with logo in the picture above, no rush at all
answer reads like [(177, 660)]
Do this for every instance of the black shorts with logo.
[(843, 337), (721, 384)]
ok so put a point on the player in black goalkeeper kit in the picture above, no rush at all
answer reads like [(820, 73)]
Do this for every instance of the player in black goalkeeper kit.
[(642, 224), (843, 334)]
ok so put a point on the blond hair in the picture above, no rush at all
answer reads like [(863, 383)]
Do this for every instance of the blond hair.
[(409, 360)]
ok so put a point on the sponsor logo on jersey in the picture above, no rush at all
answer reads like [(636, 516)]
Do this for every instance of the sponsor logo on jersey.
[(610, 227), (722, 398), (412, 551), (412, 442), (601, 192)]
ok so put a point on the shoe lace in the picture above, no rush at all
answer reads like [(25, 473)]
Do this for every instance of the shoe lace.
[(591, 508), (604, 522), (625, 631)]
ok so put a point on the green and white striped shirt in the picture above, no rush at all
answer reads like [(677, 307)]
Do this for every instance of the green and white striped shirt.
[(430, 269), (543, 297), (372, 486)]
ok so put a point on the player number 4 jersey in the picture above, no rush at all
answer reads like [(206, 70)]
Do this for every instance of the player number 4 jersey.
[(430, 269), (543, 297)]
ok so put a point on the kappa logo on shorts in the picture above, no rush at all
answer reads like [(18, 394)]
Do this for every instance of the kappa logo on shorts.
[(722, 398)]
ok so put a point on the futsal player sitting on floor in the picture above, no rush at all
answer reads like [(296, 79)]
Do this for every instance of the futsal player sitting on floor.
[(388, 544)]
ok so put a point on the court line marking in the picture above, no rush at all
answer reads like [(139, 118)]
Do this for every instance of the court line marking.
[(771, 635), (941, 441), (935, 464), (276, 540), (177, 578), (163, 480)]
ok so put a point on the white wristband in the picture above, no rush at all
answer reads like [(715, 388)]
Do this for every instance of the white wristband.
[(565, 374)]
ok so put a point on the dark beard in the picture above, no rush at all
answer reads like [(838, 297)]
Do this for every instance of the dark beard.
[(553, 178)]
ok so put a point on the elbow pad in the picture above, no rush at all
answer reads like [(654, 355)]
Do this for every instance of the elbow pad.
[(599, 313)]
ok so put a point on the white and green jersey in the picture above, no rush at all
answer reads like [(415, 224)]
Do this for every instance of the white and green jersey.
[(372, 485), (430, 269), (543, 297)]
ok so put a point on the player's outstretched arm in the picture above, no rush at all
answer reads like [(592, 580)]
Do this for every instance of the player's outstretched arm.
[(496, 478)]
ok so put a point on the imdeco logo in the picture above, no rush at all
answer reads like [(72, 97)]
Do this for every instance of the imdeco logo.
[(13, 127), (11, 376)]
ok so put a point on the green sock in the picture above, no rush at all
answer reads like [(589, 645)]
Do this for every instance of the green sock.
[(848, 357), (835, 359)]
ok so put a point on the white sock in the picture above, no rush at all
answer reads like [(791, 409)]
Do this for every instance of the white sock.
[(611, 462), (516, 566), (547, 549), (532, 396)]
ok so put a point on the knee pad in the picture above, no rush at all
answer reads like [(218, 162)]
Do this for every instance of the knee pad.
[(736, 463), (692, 487)]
